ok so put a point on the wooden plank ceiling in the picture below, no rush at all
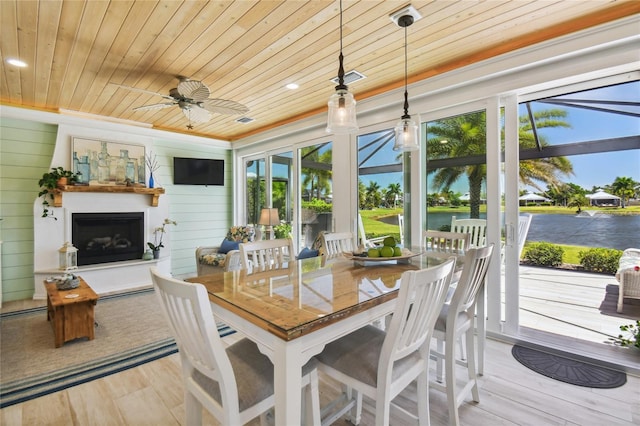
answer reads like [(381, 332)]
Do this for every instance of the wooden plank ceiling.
[(246, 51)]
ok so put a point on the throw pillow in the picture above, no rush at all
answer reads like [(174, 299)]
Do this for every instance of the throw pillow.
[(306, 253), (227, 246), (242, 234)]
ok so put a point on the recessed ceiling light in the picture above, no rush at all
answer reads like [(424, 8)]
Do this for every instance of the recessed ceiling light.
[(292, 86), (17, 63)]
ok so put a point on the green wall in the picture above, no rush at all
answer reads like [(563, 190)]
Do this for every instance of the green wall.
[(203, 213), (26, 149)]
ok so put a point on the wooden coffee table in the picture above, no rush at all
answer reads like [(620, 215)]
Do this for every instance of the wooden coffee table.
[(71, 316)]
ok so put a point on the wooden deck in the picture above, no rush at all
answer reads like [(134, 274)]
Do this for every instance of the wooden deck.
[(574, 304)]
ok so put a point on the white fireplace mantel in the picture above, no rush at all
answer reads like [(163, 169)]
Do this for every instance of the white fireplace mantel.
[(50, 234)]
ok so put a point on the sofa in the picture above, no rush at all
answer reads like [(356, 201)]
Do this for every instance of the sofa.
[(226, 256)]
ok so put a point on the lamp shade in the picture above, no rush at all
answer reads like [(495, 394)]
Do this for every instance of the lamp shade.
[(342, 113), (269, 217), (406, 135)]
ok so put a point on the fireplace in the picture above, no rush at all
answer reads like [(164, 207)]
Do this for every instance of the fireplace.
[(107, 237)]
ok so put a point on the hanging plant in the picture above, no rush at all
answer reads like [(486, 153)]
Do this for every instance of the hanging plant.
[(49, 183)]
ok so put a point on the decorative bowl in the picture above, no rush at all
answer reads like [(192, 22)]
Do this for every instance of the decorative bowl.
[(67, 282)]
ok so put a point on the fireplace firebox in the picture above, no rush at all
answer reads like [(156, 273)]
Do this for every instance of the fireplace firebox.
[(107, 237)]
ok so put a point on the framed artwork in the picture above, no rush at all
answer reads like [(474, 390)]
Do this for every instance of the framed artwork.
[(108, 163)]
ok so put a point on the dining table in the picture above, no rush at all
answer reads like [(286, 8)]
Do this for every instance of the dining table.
[(293, 311)]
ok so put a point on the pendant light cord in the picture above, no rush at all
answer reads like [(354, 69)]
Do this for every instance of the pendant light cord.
[(341, 85), (406, 93)]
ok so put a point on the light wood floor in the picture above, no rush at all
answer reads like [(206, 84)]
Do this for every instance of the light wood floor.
[(510, 394)]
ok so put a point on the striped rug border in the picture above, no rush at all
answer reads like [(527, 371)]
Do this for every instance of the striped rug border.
[(25, 389)]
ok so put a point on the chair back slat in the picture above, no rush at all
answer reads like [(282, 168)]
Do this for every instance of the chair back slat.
[(188, 311), (334, 244), (475, 227), (474, 272), (446, 242), (266, 254), (421, 297)]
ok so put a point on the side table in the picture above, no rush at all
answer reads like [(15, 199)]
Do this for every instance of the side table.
[(71, 316)]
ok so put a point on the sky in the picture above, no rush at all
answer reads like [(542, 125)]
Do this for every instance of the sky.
[(590, 169)]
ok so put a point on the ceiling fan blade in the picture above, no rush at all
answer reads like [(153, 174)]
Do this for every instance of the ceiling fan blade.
[(196, 114), (193, 90), (155, 106), (223, 106), (148, 92)]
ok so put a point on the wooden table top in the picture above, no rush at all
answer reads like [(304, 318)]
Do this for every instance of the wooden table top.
[(308, 294), (58, 297)]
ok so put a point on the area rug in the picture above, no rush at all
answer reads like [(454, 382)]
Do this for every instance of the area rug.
[(130, 330), (568, 370)]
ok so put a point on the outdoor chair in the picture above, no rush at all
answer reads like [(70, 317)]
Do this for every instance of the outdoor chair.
[(476, 227), (334, 244), (368, 242), (628, 275), (234, 384), (226, 256), (455, 322), (381, 364), (266, 254)]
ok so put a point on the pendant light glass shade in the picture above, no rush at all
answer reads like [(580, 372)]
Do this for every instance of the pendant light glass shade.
[(406, 135), (342, 104), (342, 113), (406, 130)]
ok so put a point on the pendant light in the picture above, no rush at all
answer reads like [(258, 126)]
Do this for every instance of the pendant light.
[(406, 130), (342, 105)]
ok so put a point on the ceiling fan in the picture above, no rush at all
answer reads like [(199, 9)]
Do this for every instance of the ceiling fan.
[(193, 99)]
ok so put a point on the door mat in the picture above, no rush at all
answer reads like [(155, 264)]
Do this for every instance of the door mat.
[(568, 370)]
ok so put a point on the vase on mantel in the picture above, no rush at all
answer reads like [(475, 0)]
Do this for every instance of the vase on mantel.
[(151, 182), (156, 253)]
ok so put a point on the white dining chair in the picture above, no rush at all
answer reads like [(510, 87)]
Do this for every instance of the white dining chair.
[(456, 321), (475, 227), (335, 243), (381, 364), (446, 242), (265, 255), (234, 384)]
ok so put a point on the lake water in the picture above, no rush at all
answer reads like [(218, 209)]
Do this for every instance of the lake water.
[(586, 229)]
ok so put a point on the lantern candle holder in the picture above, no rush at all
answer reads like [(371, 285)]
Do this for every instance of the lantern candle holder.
[(68, 257)]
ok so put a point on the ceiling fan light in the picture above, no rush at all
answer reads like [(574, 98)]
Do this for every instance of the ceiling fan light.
[(342, 113), (406, 135)]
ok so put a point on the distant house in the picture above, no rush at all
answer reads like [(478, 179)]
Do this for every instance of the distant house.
[(603, 199), (530, 197)]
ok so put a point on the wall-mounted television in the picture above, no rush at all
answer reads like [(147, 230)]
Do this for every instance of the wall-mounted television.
[(198, 171)]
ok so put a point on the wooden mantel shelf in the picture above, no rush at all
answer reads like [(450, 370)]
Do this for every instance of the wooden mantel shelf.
[(113, 189)]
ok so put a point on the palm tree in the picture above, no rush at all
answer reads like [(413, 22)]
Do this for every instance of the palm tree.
[(577, 200), (465, 136), (394, 191), (625, 188), (318, 179), (373, 195)]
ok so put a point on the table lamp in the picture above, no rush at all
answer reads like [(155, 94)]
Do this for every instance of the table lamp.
[(269, 218)]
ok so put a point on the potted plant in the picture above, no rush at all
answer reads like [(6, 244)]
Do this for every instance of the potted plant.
[(633, 335), (50, 181), (157, 237)]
